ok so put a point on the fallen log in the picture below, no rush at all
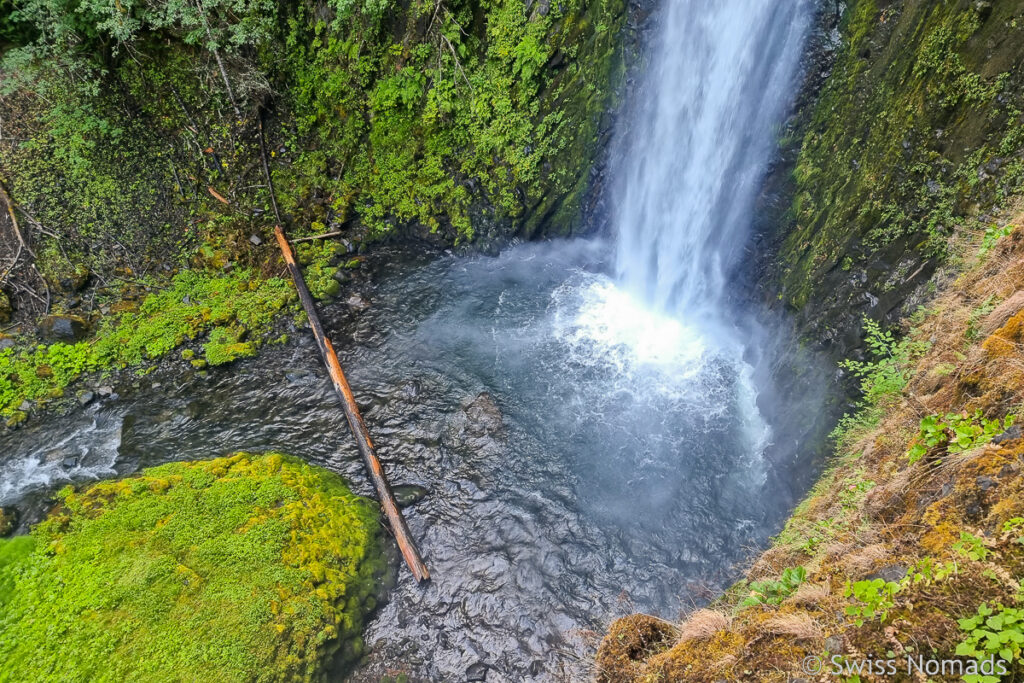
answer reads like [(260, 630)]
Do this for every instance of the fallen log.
[(355, 420)]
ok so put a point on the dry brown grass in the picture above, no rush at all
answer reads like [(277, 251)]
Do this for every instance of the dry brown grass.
[(865, 559), (810, 595), (796, 625), (703, 624)]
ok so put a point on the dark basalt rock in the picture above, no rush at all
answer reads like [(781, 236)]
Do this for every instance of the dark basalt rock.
[(1009, 435), (484, 416), (64, 328), (892, 572), (476, 672)]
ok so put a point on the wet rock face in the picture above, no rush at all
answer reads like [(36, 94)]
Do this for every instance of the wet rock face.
[(63, 328), (478, 428), (8, 521)]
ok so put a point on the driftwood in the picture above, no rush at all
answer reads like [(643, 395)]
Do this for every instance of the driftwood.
[(355, 420)]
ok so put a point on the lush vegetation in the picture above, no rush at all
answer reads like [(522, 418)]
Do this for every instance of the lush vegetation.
[(234, 311), (454, 115), (133, 151), (237, 569)]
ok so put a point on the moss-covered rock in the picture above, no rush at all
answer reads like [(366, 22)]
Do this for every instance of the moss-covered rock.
[(8, 521), (5, 308), (917, 130), (232, 312), (242, 568)]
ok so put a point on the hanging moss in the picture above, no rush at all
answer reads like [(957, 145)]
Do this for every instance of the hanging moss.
[(242, 568)]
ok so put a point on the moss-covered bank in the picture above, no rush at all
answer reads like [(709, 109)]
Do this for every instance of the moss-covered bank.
[(242, 568), (912, 543)]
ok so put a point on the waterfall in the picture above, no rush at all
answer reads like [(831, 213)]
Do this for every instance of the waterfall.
[(720, 78)]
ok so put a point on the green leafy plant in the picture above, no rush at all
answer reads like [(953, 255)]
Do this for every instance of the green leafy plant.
[(992, 632), (993, 234), (881, 378), (774, 592), (876, 598), (927, 571), (986, 307), (1014, 528), (972, 547), (958, 432)]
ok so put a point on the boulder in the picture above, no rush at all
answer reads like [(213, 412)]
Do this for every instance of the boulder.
[(64, 328), (358, 302), (484, 416), (408, 494)]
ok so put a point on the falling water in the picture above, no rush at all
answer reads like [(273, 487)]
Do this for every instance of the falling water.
[(720, 78)]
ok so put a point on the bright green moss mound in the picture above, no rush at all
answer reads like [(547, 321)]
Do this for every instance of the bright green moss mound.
[(236, 310), (237, 569)]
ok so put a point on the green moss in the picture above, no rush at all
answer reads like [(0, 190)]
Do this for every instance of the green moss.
[(236, 310), (237, 569), (464, 111)]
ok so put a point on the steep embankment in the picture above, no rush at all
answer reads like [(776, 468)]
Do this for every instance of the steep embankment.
[(131, 150), (917, 526), (910, 166)]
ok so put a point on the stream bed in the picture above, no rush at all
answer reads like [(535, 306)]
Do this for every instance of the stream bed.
[(583, 457)]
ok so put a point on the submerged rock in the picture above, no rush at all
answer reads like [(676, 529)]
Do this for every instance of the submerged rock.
[(358, 302), (484, 416), (64, 328), (408, 494), (476, 672)]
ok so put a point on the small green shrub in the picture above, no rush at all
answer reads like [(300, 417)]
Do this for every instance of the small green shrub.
[(987, 306), (774, 592), (993, 234), (1014, 528), (972, 547), (876, 598), (927, 571), (992, 633), (958, 432), (881, 378)]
